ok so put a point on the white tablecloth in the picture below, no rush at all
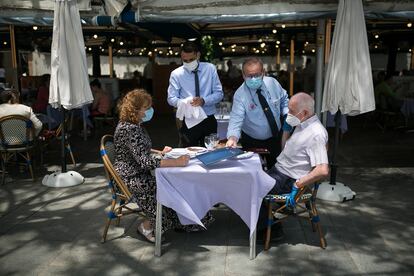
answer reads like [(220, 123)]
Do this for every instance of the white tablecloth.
[(193, 190)]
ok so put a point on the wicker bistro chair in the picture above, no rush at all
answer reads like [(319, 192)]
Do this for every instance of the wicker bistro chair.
[(121, 196), (48, 136), (305, 204), (17, 138)]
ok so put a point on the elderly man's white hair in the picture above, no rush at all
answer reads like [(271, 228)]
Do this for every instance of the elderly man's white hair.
[(304, 102)]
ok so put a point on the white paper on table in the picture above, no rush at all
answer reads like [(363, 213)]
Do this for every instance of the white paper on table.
[(193, 114)]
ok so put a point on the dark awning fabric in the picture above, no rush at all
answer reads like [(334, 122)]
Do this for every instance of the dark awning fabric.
[(207, 11)]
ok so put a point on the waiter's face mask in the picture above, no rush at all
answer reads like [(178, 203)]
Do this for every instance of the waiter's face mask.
[(190, 60), (191, 66)]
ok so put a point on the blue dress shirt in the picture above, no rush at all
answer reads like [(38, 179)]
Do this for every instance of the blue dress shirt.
[(182, 85), (247, 114)]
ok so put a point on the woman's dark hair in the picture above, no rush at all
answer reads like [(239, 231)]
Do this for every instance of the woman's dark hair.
[(9, 95)]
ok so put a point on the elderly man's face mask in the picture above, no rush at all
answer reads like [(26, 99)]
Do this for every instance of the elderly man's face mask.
[(293, 120)]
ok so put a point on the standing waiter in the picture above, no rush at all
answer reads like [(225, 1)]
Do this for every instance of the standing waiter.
[(259, 106), (198, 80)]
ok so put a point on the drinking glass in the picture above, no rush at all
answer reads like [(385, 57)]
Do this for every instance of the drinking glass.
[(214, 139), (225, 111), (208, 142)]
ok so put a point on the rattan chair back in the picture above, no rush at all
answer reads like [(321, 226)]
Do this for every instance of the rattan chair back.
[(121, 196), (16, 132), (17, 137)]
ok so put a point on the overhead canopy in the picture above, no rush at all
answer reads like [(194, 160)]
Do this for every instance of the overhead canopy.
[(144, 25), (227, 11), (83, 5), (208, 11)]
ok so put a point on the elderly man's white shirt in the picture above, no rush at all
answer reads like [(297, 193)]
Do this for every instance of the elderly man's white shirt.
[(305, 149)]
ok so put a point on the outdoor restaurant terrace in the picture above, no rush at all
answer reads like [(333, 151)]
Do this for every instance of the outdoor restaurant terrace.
[(59, 231)]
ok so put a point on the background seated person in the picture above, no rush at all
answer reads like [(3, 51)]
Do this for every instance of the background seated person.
[(42, 98), (102, 100), (304, 158), (134, 162), (10, 105), (385, 97)]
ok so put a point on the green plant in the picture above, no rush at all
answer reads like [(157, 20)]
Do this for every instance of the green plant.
[(207, 48)]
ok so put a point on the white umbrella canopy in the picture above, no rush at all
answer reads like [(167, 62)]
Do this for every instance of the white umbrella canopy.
[(69, 82), (348, 80)]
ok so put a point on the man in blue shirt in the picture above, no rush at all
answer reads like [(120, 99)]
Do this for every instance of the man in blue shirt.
[(198, 80), (259, 106)]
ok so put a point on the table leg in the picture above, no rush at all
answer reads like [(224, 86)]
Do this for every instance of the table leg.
[(158, 228), (253, 246)]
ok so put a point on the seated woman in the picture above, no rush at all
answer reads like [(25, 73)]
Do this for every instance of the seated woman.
[(9, 100), (134, 162)]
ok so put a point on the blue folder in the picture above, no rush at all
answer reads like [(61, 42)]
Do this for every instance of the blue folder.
[(217, 155)]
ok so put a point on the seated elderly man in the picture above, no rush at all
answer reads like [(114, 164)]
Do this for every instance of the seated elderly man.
[(304, 158)]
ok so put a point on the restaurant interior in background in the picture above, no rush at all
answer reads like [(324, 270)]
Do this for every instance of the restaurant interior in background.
[(131, 54)]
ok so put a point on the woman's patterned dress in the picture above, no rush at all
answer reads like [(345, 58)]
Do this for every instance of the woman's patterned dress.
[(133, 163)]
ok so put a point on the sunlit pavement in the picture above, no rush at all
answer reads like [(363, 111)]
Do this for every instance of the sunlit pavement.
[(49, 231)]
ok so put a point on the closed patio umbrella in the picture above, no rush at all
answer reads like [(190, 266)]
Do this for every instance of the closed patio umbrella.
[(348, 87), (69, 82)]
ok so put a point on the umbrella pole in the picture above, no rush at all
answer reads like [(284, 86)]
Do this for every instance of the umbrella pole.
[(334, 166), (63, 140)]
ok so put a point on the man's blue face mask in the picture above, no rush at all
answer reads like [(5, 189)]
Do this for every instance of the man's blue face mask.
[(254, 83), (148, 114)]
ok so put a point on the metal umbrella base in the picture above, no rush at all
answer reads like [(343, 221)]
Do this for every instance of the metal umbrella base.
[(338, 192), (61, 180)]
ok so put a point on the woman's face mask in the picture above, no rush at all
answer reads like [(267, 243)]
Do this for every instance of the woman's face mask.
[(148, 114), (191, 66)]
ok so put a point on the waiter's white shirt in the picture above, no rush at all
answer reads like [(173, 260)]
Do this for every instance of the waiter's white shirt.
[(305, 149)]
